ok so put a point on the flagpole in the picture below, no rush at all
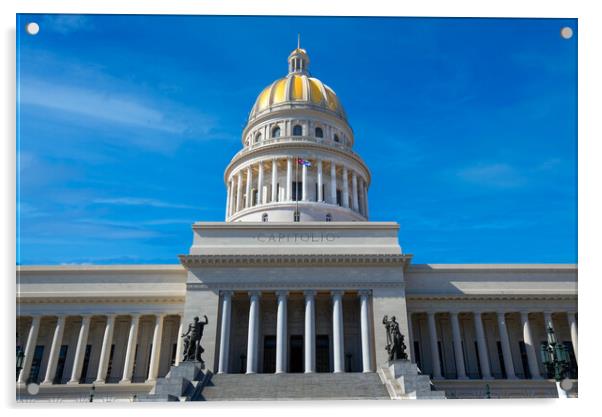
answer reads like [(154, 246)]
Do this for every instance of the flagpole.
[(297, 189)]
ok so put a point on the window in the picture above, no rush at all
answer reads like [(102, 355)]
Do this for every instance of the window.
[(264, 217), (328, 217), (297, 130), (296, 216), (297, 190), (336, 138), (500, 358), (174, 348), (339, 198), (82, 378), (110, 366), (524, 359), (34, 373), (257, 138), (276, 132), (319, 132), (60, 366)]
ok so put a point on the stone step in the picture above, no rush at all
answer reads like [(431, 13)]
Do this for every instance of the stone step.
[(224, 387)]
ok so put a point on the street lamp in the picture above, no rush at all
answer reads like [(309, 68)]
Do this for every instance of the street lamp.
[(92, 390), (20, 358), (555, 360)]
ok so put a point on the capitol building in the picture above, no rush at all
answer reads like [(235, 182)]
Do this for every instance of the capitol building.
[(294, 285)]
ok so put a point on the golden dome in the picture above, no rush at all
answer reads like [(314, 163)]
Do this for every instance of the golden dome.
[(297, 88)]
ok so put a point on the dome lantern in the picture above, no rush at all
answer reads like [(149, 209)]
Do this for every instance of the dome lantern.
[(298, 60)]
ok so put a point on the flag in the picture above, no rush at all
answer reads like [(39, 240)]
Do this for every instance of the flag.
[(303, 162)]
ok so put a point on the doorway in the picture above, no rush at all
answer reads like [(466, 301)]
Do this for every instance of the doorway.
[(269, 354), (322, 353), (296, 354)]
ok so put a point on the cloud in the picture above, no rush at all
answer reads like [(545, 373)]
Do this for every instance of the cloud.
[(497, 175), (65, 24), (133, 201)]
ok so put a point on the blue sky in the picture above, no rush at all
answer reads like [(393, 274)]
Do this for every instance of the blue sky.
[(126, 123)]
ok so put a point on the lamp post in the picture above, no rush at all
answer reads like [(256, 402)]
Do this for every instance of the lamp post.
[(92, 390), (556, 361), (20, 358)]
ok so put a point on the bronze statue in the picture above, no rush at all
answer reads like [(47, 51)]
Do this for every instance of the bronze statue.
[(192, 340), (395, 346)]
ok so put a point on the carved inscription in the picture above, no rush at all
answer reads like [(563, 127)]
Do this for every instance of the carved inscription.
[(307, 237)]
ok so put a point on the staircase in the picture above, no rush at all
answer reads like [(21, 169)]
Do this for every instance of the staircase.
[(404, 381), (315, 386)]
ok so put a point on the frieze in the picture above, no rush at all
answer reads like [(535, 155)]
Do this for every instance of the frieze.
[(263, 286), (296, 237)]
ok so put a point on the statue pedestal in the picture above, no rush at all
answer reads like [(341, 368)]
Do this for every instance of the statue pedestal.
[(181, 383), (404, 381)]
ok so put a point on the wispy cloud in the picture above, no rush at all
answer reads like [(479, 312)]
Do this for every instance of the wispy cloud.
[(133, 201), (498, 175), (65, 23)]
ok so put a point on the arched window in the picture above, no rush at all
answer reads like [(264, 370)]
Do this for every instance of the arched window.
[(257, 138), (336, 138), (328, 217), (297, 130), (264, 217), (276, 132), (319, 132)]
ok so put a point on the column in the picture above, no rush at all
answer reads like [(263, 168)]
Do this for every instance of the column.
[(232, 199), (361, 195), (57, 339), (224, 339), (281, 332), (434, 345), (179, 343), (238, 192), (367, 211), (345, 187), (320, 196), (458, 352), (274, 181), (310, 331), (289, 179), (366, 331), (410, 341), (573, 327), (482, 345), (105, 351), (505, 342), (252, 340), (548, 322), (333, 182), (529, 347), (248, 189), (153, 369), (304, 181), (30, 347), (260, 184), (228, 198), (80, 351), (130, 353), (354, 197), (337, 331)]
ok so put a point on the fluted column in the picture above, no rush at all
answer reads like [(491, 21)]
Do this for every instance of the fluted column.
[(320, 196), (304, 196), (354, 197), (80, 350), (260, 184), (238, 192), (366, 331), (505, 342), (345, 187), (434, 345), (529, 346), (310, 331), (30, 346), (573, 327), (333, 182), (361, 195), (274, 181), (367, 211), (458, 353), (105, 350), (224, 340), (228, 199), (232, 198), (410, 341), (253, 336), (337, 331), (57, 339), (179, 343), (289, 179), (130, 353), (281, 332), (482, 345), (153, 370), (248, 189)]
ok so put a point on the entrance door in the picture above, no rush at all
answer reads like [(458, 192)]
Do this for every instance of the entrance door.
[(269, 354), (322, 353), (296, 354)]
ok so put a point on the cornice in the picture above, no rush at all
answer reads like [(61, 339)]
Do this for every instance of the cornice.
[(191, 261), (297, 286), (491, 297)]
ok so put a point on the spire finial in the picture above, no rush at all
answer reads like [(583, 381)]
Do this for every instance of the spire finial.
[(298, 41)]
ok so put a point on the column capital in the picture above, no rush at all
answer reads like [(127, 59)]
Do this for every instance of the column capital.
[(364, 293), (571, 313), (310, 293), (282, 293), (254, 294), (226, 293), (135, 316), (337, 293)]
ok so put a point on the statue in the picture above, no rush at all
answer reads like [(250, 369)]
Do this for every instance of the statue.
[(192, 340), (395, 346)]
